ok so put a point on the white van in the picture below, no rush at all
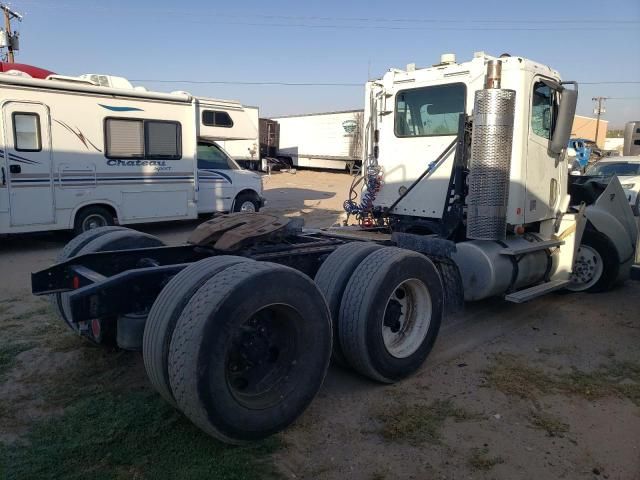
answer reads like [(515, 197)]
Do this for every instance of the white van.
[(76, 154), (223, 185)]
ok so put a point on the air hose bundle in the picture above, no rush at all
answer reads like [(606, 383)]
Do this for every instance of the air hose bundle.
[(373, 183)]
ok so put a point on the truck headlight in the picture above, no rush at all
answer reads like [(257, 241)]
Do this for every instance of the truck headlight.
[(628, 186)]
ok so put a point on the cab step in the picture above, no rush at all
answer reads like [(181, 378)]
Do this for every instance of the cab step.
[(536, 291), (533, 247)]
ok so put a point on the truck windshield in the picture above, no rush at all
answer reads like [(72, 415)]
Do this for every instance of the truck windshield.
[(622, 169), (429, 111)]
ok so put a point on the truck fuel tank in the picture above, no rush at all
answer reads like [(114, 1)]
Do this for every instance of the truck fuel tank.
[(487, 270)]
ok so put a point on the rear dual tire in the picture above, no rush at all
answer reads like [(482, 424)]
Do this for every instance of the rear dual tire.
[(164, 314), (332, 278), (248, 351), (98, 240), (386, 306), (390, 314)]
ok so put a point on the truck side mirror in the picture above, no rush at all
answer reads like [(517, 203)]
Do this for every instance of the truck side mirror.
[(564, 121)]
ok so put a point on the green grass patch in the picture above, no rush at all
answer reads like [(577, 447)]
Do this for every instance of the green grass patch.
[(418, 423), (480, 460), (511, 375), (8, 354), (28, 314), (136, 435), (553, 426)]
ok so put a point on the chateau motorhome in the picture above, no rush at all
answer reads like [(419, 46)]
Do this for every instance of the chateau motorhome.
[(84, 152)]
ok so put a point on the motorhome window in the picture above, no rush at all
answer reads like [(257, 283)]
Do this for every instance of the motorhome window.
[(429, 111), (543, 110), (26, 132), (124, 138), (214, 118), (211, 157), (162, 140)]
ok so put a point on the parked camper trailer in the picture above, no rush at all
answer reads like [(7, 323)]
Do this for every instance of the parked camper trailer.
[(78, 155), (329, 140)]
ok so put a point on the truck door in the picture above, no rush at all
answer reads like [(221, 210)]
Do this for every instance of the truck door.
[(215, 186), (543, 169), (27, 161)]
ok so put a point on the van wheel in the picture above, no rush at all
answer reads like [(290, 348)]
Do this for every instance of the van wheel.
[(390, 314), (596, 265), (90, 218), (244, 366), (246, 202)]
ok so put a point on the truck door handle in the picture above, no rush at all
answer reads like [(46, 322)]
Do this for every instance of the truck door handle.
[(15, 168)]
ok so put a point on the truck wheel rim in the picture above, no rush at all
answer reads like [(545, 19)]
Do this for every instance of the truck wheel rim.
[(247, 206), (262, 356), (93, 221), (587, 269), (406, 318)]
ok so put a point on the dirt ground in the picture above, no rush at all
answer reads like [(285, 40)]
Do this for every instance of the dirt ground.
[(548, 389)]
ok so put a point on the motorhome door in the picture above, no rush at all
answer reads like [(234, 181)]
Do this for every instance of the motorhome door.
[(27, 160)]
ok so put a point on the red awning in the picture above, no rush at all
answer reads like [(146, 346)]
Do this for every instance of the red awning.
[(34, 72)]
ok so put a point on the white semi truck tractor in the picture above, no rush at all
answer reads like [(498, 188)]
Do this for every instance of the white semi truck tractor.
[(464, 195)]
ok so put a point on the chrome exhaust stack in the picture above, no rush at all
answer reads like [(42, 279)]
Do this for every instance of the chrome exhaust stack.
[(489, 171)]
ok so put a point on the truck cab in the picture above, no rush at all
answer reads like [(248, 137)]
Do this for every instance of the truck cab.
[(416, 114)]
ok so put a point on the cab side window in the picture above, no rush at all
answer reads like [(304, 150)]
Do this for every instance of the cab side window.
[(543, 110), (210, 157)]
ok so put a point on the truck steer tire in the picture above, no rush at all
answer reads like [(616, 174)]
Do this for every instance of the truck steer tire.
[(390, 314), (596, 265), (165, 312), (250, 351), (70, 250), (120, 239), (332, 278)]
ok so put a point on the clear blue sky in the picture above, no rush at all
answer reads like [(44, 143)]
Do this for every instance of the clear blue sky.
[(330, 41)]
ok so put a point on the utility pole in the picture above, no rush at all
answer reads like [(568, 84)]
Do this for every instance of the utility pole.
[(12, 38), (598, 110)]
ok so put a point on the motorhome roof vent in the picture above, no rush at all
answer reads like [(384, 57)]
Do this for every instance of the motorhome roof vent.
[(447, 58), (110, 81), (65, 78)]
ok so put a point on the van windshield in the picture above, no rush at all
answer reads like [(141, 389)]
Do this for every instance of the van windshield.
[(212, 157)]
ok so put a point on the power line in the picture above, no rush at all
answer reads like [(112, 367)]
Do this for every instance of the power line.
[(634, 82), (57, 6), (231, 82), (323, 84)]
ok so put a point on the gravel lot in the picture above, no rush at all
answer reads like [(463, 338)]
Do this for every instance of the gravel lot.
[(549, 389)]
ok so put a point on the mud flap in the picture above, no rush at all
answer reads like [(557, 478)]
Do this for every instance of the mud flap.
[(439, 252)]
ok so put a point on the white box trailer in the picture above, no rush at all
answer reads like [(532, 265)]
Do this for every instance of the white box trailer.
[(76, 154), (330, 140)]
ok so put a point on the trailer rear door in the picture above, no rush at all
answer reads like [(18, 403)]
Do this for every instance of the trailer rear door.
[(27, 159)]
